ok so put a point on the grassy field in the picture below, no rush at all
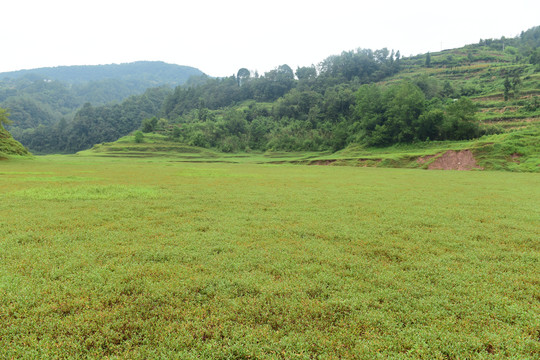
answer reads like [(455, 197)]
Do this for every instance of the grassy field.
[(147, 258)]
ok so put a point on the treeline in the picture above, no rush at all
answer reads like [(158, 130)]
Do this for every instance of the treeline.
[(316, 108), (324, 107), (325, 91), (335, 103), (522, 49), (352, 68), (33, 101), (401, 114), (525, 46), (306, 120), (93, 124)]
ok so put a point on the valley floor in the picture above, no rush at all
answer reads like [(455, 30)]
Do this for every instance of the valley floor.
[(155, 258)]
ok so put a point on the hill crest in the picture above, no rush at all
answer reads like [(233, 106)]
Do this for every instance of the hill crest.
[(158, 72)]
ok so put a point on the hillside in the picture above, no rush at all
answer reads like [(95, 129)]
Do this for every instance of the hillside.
[(365, 97), (10, 146), (477, 105), (504, 86), (152, 73), (93, 124), (47, 97), (517, 151)]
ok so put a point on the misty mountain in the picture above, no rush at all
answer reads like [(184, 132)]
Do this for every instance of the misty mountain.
[(151, 73), (45, 96)]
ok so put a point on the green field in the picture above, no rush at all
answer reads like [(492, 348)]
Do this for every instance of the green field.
[(148, 258)]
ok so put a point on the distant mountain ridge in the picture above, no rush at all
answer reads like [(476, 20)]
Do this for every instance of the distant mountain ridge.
[(154, 72), (45, 96)]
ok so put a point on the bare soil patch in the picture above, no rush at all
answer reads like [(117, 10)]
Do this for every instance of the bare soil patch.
[(451, 160)]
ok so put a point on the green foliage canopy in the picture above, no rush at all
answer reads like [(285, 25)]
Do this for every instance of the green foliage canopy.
[(401, 114), (4, 117)]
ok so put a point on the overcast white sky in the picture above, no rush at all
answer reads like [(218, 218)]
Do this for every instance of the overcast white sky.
[(219, 37)]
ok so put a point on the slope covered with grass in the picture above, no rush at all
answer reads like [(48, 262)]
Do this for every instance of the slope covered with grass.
[(517, 150), (10, 146), (506, 92)]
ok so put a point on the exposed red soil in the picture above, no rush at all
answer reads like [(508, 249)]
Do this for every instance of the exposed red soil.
[(452, 160)]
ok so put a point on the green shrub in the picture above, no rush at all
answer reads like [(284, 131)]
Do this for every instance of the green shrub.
[(139, 137)]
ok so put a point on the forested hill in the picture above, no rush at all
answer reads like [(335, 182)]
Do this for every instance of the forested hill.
[(147, 73), (52, 96), (366, 97)]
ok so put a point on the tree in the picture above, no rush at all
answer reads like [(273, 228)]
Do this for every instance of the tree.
[(381, 55), (370, 107), (535, 58), (516, 83), (448, 90), (507, 87), (4, 117), (428, 60), (177, 132), (285, 72), (428, 124), (461, 122), (149, 124), (405, 102), (235, 123), (242, 75), (139, 137), (306, 72)]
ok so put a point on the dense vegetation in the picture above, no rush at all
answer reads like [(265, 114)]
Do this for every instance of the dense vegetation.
[(374, 98), (337, 103), (49, 98), (8, 145), (94, 124)]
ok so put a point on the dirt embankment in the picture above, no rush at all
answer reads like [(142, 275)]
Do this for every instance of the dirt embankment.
[(322, 162), (451, 160)]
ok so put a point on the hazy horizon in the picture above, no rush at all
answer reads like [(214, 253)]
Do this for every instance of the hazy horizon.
[(219, 38)]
